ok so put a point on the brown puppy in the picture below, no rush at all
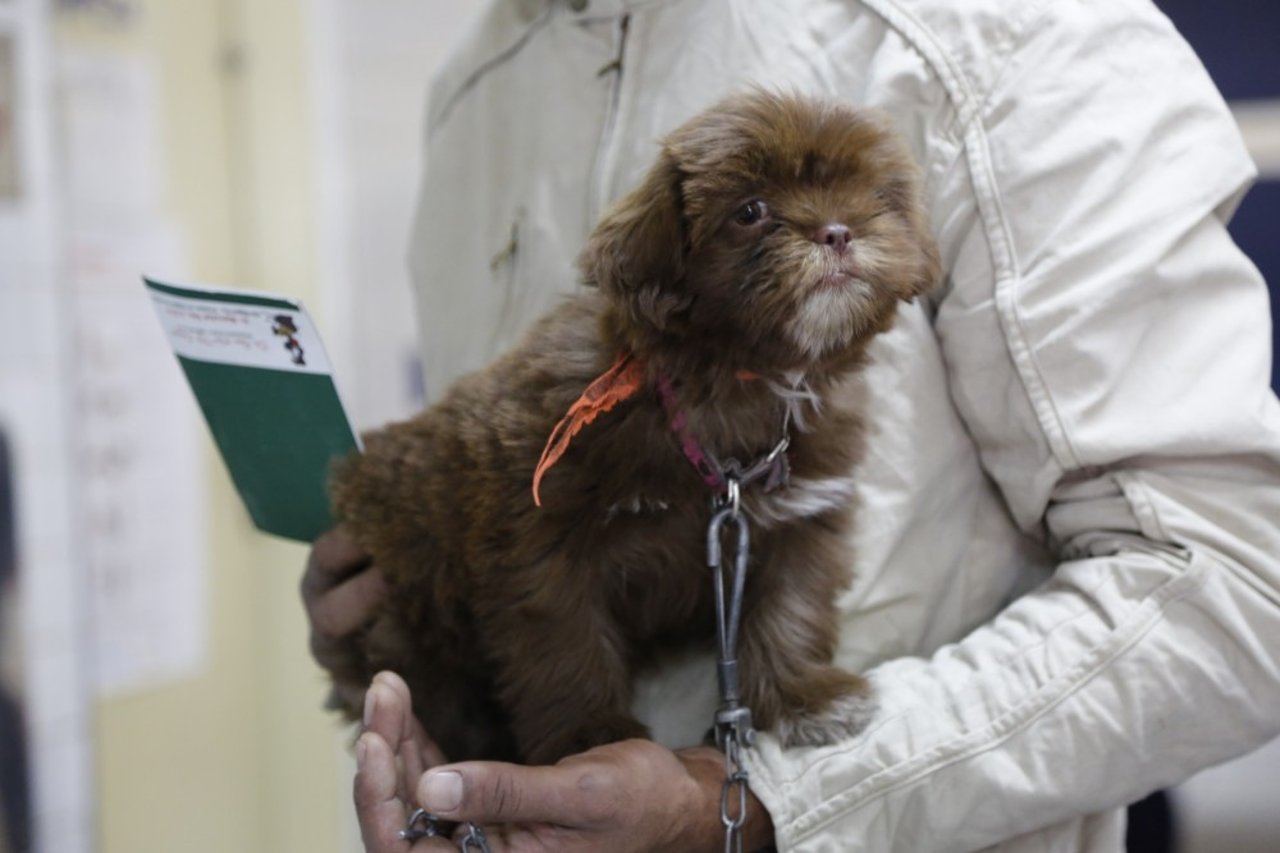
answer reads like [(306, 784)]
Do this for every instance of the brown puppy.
[(744, 278)]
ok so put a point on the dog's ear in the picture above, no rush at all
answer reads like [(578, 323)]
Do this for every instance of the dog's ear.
[(636, 253)]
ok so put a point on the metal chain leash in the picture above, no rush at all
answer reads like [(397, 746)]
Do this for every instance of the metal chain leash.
[(424, 825), (733, 729)]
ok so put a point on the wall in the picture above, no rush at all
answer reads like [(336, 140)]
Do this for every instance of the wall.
[(372, 61), (216, 139), (236, 754), (292, 132), (36, 416)]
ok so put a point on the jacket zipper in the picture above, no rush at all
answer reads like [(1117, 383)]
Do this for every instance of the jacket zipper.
[(597, 200)]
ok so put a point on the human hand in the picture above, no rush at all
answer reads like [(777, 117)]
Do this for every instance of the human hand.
[(629, 796), (391, 755), (341, 591)]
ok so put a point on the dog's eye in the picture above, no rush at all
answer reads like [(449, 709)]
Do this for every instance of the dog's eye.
[(752, 213)]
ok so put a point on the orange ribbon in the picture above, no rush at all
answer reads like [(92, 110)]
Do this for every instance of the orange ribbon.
[(618, 383)]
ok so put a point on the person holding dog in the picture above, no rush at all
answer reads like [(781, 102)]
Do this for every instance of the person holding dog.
[(1068, 581)]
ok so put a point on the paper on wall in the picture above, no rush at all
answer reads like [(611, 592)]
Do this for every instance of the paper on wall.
[(140, 471)]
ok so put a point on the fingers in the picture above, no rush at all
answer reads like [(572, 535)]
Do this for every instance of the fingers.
[(339, 588), (341, 593), (333, 558), (379, 810), (386, 714), (381, 813), (386, 707), (486, 792), (388, 711), (341, 609)]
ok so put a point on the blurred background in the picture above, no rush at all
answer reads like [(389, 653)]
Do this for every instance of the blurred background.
[(158, 696)]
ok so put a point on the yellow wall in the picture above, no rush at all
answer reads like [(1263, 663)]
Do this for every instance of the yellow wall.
[(240, 758)]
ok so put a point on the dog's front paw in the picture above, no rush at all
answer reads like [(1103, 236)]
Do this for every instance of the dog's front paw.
[(835, 706)]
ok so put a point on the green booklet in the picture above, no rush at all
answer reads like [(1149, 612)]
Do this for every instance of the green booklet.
[(264, 383)]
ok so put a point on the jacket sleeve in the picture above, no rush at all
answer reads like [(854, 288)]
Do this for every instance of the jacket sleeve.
[(1108, 348)]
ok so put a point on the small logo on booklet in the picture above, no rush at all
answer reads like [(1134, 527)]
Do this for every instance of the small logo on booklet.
[(287, 329)]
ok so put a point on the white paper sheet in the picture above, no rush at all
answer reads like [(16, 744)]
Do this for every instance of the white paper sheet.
[(111, 116), (140, 467), (247, 335), (137, 433)]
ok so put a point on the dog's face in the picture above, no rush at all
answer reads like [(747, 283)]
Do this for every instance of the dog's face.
[(774, 229)]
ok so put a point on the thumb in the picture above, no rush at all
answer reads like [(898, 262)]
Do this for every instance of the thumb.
[(493, 792)]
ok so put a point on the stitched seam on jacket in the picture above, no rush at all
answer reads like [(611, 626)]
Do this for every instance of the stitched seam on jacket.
[(1138, 491), (995, 224), (1057, 690), (1143, 508), (440, 116)]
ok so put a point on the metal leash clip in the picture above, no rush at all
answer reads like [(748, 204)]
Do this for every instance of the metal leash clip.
[(425, 825), (474, 840), (733, 727), (430, 826)]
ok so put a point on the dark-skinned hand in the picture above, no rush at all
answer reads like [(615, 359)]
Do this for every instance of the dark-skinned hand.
[(624, 797), (341, 592)]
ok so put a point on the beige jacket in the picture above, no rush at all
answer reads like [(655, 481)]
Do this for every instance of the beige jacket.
[(1068, 589)]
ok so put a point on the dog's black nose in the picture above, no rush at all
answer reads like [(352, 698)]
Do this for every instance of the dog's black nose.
[(835, 235)]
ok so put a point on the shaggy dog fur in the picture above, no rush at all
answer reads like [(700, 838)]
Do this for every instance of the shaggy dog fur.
[(775, 235)]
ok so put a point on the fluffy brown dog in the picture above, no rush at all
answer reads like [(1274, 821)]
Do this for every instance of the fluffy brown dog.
[(734, 290)]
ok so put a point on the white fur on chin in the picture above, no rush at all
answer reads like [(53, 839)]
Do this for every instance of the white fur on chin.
[(828, 318)]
